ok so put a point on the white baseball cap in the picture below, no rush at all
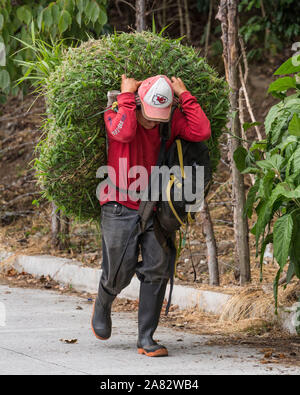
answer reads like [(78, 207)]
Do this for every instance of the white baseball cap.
[(156, 95)]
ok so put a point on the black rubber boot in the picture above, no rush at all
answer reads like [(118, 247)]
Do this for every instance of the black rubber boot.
[(150, 304), (101, 318)]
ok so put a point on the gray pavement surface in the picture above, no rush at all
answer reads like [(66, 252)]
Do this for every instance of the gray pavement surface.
[(37, 320)]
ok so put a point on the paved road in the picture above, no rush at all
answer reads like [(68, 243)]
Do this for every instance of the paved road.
[(36, 320)]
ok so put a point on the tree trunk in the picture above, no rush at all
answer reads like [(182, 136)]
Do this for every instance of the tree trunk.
[(187, 20), (228, 15), (212, 255), (55, 226), (140, 20), (60, 229), (180, 14), (208, 28), (65, 233), (164, 13)]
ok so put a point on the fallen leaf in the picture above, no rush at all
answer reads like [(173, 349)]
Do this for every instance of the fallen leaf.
[(69, 341), (264, 362), (268, 354), (266, 350), (12, 273)]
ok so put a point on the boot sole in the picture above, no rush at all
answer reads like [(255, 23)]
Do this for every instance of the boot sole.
[(161, 352), (98, 337)]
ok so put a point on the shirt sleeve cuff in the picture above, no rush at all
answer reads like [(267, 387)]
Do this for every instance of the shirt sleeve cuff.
[(184, 95)]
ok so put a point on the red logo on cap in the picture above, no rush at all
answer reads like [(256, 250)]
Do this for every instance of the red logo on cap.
[(159, 99)]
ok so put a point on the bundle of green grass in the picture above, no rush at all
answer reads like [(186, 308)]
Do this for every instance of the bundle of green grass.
[(74, 146)]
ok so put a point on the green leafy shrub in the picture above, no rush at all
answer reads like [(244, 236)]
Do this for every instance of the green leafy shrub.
[(53, 20), (275, 196), (273, 23), (74, 144)]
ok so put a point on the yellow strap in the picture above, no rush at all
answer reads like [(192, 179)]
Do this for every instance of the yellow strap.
[(114, 105), (168, 192), (180, 157), (190, 219)]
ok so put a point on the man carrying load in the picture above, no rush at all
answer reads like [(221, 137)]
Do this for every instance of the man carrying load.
[(134, 137)]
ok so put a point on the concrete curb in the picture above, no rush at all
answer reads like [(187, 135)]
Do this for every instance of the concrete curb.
[(72, 273), (289, 318)]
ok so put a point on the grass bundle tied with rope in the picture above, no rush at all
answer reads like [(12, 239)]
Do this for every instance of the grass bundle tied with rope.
[(73, 146)]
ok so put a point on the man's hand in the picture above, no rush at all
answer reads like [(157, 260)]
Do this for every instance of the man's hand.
[(129, 84), (178, 86)]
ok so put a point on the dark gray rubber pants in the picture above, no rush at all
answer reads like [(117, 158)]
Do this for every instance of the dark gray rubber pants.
[(117, 221)]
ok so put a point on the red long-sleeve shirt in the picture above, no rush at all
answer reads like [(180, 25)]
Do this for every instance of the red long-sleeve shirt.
[(137, 146)]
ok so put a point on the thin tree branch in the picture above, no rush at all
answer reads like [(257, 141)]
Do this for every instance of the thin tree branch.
[(208, 28), (127, 3), (248, 102), (180, 18), (187, 20)]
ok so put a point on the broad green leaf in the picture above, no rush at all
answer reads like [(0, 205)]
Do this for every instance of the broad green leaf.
[(279, 127), (291, 66), (4, 79), (294, 126), (40, 20), (24, 14), (271, 117), (282, 84), (65, 21), (95, 12), (294, 179), (296, 159), (80, 5), (286, 142), (282, 233), (281, 110), (47, 17), (266, 184), (55, 13), (67, 5), (89, 9), (78, 18), (92, 11), (290, 149), (102, 15), (239, 157), (275, 162), (293, 163), (283, 190)]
